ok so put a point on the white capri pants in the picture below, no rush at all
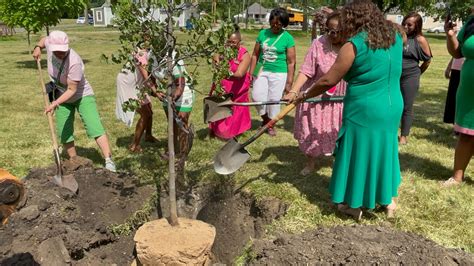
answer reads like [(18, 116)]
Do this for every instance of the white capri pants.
[(268, 86)]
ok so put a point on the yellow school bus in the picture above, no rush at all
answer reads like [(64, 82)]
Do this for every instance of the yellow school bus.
[(296, 15)]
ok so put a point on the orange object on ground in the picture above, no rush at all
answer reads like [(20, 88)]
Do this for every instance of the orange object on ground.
[(11, 193)]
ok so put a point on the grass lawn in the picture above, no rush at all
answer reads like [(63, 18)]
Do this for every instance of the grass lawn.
[(444, 215)]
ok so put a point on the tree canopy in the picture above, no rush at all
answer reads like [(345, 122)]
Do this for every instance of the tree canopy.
[(34, 15)]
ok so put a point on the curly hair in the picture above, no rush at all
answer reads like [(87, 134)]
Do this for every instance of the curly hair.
[(365, 16)]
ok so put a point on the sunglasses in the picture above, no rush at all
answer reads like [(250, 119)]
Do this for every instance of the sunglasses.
[(332, 32)]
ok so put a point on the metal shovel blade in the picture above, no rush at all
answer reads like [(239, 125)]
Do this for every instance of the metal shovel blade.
[(230, 158), (66, 181), (213, 112)]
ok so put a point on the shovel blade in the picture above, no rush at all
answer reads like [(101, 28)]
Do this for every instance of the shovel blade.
[(66, 181), (213, 111), (230, 158)]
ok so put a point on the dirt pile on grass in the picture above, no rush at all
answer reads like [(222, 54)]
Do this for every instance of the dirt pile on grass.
[(54, 225), (356, 245)]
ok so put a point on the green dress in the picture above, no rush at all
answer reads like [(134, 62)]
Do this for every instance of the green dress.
[(367, 170), (464, 116)]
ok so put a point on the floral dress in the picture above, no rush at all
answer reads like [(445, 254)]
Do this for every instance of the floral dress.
[(317, 124)]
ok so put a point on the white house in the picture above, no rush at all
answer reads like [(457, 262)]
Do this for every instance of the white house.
[(103, 16)]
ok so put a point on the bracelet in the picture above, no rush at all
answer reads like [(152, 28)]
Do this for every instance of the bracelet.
[(293, 92)]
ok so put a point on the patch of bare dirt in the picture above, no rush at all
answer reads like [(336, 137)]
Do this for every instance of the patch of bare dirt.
[(356, 245), (53, 225), (238, 218)]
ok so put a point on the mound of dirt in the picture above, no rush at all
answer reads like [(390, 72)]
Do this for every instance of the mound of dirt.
[(356, 245), (54, 226)]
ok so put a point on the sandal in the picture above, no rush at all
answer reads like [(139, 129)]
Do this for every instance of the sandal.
[(355, 213), (390, 210), (450, 182), (135, 149)]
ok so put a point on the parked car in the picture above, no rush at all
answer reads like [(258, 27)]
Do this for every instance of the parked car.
[(82, 20), (438, 29)]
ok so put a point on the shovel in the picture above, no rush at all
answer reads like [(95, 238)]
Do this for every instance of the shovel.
[(217, 108), (67, 181), (233, 154)]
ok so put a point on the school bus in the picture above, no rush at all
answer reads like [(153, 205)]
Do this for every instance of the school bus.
[(296, 15)]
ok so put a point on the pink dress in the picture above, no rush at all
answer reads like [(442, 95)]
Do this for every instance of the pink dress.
[(240, 121), (317, 124)]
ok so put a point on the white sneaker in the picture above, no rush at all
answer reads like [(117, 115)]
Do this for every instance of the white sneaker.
[(110, 165)]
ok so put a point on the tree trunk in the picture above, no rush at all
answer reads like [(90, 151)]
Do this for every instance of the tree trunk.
[(47, 30), (173, 219), (305, 15), (29, 41), (86, 14)]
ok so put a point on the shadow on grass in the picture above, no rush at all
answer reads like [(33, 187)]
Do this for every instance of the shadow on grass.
[(125, 141), (424, 167), (290, 162), (91, 154), (429, 116), (31, 64)]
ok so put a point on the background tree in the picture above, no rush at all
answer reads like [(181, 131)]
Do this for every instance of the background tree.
[(136, 20), (34, 15)]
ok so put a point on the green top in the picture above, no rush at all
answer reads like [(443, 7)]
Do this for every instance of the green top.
[(273, 50), (460, 36)]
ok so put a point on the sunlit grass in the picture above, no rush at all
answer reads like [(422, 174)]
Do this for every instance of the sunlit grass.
[(444, 215)]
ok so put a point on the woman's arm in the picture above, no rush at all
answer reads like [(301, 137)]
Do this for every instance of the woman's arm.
[(451, 41), (291, 63), (343, 63), (254, 59), (38, 47), (447, 72), (71, 90), (295, 90), (178, 91), (243, 66), (426, 50)]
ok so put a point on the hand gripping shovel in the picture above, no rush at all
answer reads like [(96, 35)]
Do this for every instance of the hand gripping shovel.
[(218, 108), (67, 181), (233, 155)]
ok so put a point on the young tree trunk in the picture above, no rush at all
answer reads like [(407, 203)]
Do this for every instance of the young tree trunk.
[(86, 14), (29, 41), (173, 219)]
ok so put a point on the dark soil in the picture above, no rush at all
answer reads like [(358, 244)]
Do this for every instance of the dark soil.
[(356, 245), (54, 226), (238, 218)]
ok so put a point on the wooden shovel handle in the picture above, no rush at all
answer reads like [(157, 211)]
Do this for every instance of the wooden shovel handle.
[(272, 122), (46, 104), (280, 115)]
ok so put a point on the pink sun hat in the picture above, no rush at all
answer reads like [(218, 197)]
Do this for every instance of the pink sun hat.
[(58, 41)]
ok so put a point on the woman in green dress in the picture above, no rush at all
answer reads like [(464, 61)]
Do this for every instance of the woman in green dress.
[(463, 45), (366, 171)]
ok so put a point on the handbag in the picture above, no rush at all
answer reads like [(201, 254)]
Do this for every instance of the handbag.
[(54, 91)]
